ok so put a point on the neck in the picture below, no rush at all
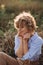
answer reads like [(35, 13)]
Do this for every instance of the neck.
[(32, 33)]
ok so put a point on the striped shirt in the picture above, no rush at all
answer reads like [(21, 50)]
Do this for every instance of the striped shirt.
[(34, 45)]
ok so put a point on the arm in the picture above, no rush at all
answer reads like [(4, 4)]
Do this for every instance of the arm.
[(25, 42), (25, 46), (32, 53), (18, 47)]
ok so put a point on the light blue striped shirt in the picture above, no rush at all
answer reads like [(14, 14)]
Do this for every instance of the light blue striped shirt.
[(34, 45)]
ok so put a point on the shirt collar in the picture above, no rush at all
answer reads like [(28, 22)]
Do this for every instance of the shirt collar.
[(34, 36)]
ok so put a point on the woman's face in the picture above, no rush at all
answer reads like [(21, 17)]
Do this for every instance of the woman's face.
[(22, 31)]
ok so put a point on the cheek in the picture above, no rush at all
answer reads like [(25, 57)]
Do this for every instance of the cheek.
[(23, 31)]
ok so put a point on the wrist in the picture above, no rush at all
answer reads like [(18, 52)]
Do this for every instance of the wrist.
[(25, 40)]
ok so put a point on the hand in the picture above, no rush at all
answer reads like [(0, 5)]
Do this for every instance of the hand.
[(22, 31), (20, 61), (26, 36)]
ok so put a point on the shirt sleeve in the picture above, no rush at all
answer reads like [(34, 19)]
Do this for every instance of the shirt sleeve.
[(33, 52), (16, 44), (29, 55)]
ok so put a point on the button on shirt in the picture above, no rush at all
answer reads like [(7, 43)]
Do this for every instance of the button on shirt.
[(34, 44)]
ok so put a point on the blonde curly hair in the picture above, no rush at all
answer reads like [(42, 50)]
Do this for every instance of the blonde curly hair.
[(25, 19)]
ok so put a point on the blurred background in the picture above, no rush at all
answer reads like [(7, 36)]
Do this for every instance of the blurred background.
[(8, 10)]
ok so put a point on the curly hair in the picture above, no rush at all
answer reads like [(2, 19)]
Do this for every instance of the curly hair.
[(25, 19)]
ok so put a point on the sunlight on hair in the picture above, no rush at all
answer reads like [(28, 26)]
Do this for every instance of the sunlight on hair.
[(22, 15)]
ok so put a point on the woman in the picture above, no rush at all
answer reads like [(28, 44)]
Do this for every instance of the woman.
[(27, 42)]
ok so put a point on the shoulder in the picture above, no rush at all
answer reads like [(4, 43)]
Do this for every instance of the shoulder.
[(36, 39), (16, 37), (40, 39), (17, 40)]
